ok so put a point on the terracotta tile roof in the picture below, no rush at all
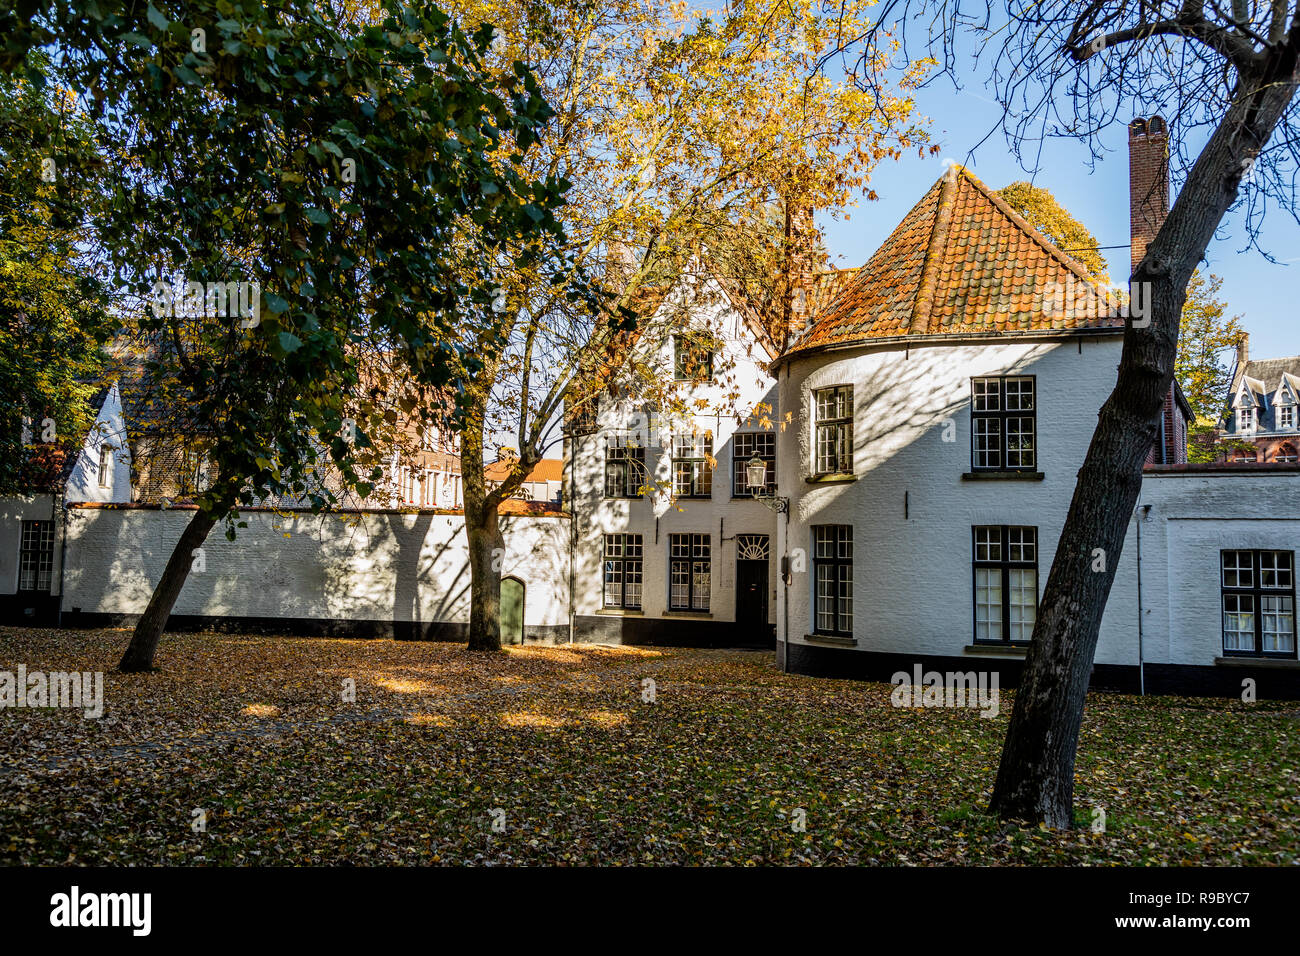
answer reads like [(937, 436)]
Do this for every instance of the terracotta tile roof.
[(961, 262), (514, 506), (548, 469)]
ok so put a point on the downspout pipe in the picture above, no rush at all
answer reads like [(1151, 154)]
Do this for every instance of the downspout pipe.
[(1142, 512), (573, 536), (63, 551)]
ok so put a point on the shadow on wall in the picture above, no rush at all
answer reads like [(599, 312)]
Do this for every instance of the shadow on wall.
[(406, 573), (389, 565)]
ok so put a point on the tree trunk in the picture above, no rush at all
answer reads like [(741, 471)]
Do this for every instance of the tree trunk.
[(149, 629), (486, 549), (1036, 776)]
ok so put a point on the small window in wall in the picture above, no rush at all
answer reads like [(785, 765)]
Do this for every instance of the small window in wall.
[(1246, 420), (1006, 583), (625, 472), (693, 466), (106, 465), (1258, 589), (746, 447), (833, 579), (692, 358), (1286, 453), (833, 441), (1286, 416), (1245, 457), (36, 556), (623, 571), (1004, 424), (688, 572), (193, 478)]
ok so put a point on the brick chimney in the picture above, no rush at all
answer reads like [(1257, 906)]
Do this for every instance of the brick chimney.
[(1243, 351), (801, 248), (1148, 182)]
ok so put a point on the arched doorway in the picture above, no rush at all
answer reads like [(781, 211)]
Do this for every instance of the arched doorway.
[(512, 611)]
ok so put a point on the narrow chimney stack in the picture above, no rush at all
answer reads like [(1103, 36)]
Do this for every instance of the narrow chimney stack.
[(1148, 182), (1243, 351)]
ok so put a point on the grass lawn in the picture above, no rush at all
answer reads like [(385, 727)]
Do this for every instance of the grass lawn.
[(557, 745)]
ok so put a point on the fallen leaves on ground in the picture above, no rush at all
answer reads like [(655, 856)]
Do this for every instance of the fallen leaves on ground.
[(552, 755)]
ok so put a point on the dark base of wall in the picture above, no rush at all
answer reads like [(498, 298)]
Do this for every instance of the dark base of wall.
[(1185, 680), (28, 610), (315, 627), (668, 632), (1172, 679)]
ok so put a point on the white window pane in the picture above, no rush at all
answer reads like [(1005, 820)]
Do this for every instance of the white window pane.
[(1277, 614)]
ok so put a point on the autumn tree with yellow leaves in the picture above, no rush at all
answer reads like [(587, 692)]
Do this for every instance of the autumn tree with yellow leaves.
[(674, 127)]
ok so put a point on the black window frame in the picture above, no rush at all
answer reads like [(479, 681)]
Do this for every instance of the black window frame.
[(837, 562), (844, 457), (629, 461), (1002, 415), (36, 546), (625, 559), (1005, 565), (740, 459), (701, 470), (1256, 591), (698, 551)]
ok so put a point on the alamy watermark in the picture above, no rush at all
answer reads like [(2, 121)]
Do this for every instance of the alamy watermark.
[(238, 299), (74, 690), (974, 689), (75, 908), (1079, 299)]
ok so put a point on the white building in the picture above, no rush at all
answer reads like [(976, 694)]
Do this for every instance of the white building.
[(670, 545)]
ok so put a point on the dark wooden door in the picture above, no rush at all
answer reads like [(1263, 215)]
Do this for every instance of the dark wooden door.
[(751, 603)]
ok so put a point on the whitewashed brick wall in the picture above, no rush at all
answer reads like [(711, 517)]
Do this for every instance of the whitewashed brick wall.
[(381, 566)]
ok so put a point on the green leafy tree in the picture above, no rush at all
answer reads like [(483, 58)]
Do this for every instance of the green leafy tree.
[(349, 173), (1206, 335)]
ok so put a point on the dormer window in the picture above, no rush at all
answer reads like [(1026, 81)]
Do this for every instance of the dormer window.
[(1246, 419), (1286, 416)]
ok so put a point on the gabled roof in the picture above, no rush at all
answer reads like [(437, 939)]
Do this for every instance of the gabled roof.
[(962, 262), (1265, 376), (1254, 390)]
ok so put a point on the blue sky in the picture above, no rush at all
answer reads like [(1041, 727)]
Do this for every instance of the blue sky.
[(1261, 292)]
